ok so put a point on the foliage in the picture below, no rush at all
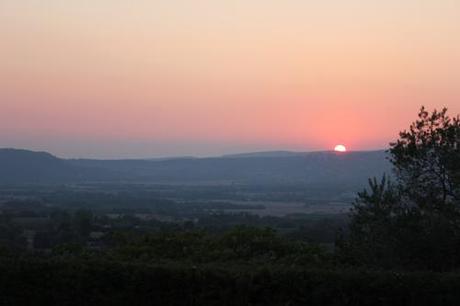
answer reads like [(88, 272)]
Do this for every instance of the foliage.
[(10, 235), (413, 223), (426, 159), (35, 281), (242, 245)]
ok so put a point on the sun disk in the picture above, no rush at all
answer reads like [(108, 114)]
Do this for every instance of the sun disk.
[(340, 148)]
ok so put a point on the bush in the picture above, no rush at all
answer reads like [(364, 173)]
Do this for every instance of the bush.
[(70, 282)]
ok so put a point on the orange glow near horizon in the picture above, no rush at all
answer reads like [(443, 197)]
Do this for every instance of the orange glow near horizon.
[(340, 148), (153, 78)]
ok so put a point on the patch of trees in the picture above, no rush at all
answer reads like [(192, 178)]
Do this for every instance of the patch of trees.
[(101, 282), (414, 221), (239, 245)]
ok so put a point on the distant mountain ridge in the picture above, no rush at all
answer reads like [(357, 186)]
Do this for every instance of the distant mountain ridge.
[(265, 154), (277, 167), (23, 166)]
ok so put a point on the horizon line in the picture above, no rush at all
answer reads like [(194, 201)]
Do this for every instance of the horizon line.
[(225, 155)]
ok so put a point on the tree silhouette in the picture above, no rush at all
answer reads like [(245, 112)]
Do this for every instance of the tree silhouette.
[(426, 159), (414, 222)]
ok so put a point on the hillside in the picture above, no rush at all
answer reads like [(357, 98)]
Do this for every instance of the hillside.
[(29, 167), (21, 166), (318, 168), (313, 169)]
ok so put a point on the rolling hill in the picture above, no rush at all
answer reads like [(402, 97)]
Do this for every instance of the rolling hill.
[(315, 168), (22, 166)]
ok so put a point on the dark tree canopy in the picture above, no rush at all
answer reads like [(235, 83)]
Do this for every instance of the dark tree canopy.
[(414, 222), (426, 158)]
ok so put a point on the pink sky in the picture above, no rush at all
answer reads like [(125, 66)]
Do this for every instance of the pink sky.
[(142, 78)]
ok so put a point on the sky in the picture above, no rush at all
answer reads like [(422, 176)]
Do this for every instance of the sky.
[(142, 78)]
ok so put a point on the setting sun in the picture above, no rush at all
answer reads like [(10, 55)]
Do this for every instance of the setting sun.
[(340, 148)]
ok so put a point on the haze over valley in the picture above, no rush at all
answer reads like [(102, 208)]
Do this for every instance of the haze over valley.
[(315, 182)]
